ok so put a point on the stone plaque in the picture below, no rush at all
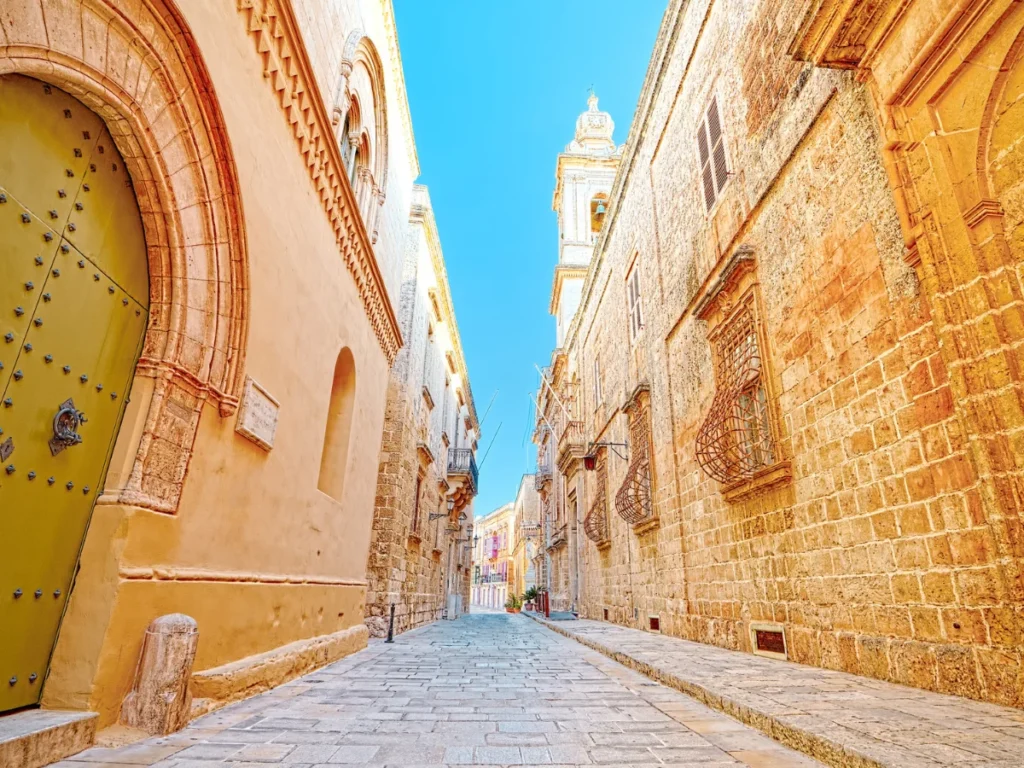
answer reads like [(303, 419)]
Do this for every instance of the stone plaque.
[(257, 415)]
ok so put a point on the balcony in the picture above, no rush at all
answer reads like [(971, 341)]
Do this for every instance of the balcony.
[(555, 536), (570, 443), (463, 476), (543, 476)]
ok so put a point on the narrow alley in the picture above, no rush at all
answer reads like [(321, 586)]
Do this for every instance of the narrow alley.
[(489, 689)]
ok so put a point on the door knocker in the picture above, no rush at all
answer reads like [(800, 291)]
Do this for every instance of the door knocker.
[(65, 427)]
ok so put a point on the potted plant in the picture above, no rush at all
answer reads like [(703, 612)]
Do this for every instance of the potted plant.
[(529, 598), (513, 604)]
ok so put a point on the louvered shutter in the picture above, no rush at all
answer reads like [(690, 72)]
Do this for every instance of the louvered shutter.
[(705, 166), (717, 142)]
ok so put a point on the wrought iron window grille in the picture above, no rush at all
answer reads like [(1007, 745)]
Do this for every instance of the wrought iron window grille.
[(735, 442), (633, 500)]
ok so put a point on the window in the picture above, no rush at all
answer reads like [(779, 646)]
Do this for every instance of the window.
[(711, 148), (334, 461), (735, 441), (636, 318), (416, 506), (597, 382)]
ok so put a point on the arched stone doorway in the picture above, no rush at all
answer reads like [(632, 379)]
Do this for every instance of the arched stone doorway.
[(151, 92), (155, 97), (74, 304)]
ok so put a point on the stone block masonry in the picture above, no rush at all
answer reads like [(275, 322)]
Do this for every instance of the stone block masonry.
[(771, 208)]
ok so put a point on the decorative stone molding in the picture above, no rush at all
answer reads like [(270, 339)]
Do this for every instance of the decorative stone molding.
[(984, 210), (720, 290), (844, 33), (287, 68), (155, 96)]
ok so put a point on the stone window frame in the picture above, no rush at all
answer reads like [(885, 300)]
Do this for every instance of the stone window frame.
[(729, 302), (634, 300), (414, 524), (715, 166), (598, 394)]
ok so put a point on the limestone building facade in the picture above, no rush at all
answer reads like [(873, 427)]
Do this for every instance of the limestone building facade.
[(796, 350), (526, 536), (493, 566), (420, 551), (224, 188), (584, 174)]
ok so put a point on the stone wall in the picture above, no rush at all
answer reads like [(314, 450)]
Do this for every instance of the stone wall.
[(868, 542), (415, 562)]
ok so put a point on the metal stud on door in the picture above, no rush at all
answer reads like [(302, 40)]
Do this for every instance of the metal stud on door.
[(67, 213)]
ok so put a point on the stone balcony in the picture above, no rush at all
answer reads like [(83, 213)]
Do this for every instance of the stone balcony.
[(463, 476), (571, 445), (543, 475), (558, 536)]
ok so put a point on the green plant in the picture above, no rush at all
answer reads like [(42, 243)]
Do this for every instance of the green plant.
[(530, 595), (513, 603)]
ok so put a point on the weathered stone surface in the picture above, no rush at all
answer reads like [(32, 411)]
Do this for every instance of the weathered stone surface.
[(415, 563), (160, 701), (34, 738), (885, 533)]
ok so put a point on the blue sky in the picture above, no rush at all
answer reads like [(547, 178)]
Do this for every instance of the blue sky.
[(495, 89)]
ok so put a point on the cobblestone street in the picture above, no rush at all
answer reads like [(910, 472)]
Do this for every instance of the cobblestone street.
[(489, 689)]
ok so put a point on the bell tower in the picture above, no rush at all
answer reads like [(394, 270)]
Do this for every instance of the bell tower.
[(583, 183)]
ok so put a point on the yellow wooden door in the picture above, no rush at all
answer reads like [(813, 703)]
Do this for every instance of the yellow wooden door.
[(74, 301)]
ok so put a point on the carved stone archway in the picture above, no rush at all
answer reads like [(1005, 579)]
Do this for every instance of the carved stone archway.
[(138, 67)]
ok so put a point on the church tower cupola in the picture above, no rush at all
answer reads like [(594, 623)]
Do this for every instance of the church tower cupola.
[(583, 183)]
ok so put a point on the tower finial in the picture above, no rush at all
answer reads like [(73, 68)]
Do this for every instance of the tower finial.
[(592, 99)]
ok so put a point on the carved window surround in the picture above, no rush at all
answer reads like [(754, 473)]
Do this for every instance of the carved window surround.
[(739, 443)]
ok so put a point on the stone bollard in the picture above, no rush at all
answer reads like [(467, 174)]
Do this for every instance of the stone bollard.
[(160, 700)]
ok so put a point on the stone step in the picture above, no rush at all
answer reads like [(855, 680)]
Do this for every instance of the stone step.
[(32, 738)]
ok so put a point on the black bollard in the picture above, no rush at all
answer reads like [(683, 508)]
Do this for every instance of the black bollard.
[(391, 626)]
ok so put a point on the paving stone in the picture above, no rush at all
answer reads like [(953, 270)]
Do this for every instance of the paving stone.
[(842, 718), (486, 690)]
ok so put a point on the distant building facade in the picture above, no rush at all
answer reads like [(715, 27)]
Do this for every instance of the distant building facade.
[(526, 536), (795, 356), (493, 569), (419, 557)]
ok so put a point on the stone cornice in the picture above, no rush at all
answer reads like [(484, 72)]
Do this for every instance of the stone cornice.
[(845, 33), (425, 214), (582, 161), (562, 273), (398, 72), (287, 68)]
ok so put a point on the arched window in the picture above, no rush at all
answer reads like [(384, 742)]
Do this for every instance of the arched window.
[(360, 159), (346, 144), (334, 462), (598, 208)]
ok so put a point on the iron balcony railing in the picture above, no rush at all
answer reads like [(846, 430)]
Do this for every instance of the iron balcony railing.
[(494, 578), (462, 461)]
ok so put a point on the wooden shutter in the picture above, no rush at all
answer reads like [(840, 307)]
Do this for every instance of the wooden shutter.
[(717, 142)]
